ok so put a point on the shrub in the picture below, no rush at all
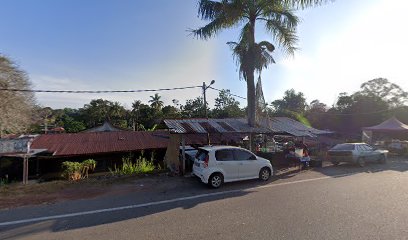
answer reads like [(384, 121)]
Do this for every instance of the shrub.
[(88, 165), (75, 171), (128, 167)]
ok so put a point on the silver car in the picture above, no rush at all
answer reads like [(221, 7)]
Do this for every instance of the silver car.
[(358, 153)]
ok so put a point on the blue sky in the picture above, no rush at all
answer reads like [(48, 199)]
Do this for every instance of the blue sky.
[(121, 45)]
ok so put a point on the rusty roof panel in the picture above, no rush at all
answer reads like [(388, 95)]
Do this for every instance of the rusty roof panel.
[(226, 126), (208, 128), (67, 144)]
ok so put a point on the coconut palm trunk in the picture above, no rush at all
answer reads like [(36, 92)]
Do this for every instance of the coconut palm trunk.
[(279, 21)]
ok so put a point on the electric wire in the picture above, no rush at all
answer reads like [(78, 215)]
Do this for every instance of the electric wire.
[(96, 91)]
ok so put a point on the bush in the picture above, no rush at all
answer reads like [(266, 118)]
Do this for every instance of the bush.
[(128, 167), (75, 171)]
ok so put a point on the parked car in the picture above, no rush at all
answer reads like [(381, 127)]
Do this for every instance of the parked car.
[(358, 153), (215, 165), (189, 153)]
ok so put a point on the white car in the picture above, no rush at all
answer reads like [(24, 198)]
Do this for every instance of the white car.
[(358, 153), (215, 165)]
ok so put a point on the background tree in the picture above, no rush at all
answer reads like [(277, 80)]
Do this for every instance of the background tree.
[(291, 102), (226, 106), (16, 108), (194, 108), (279, 21), (135, 112), (382, 88), (99, 110), (156, 102), (170, 112), (315, 113)]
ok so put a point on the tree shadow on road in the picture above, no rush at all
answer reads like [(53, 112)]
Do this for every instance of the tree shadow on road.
[(347, 169)]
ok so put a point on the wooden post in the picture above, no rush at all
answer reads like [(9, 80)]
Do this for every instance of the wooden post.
[(38, 167), (25, 169), (183, 155), (250, 142)]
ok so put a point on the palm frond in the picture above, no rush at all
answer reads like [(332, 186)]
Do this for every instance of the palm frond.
[(302, 4), (269, 46), (283, 35), (282, 14), (222, 15)]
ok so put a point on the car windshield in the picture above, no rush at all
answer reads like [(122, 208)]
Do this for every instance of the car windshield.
[(201, 154), (344, 147)]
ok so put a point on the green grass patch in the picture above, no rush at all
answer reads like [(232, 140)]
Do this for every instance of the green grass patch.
[(130, 167)]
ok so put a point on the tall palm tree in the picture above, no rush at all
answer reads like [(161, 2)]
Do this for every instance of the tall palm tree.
[(155, 101), (135, 114), (279, 20)]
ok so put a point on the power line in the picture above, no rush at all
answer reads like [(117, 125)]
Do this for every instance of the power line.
[(96, 91), (228, 93)]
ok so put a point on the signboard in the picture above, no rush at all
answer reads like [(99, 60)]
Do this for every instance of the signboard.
[(15, 145)]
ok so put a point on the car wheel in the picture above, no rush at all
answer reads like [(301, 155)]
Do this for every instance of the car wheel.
[(383, 159), (361, 162), (215, 180), (335, 163), (265, 174)]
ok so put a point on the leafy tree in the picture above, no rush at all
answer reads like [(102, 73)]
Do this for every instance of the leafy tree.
[(194, 108), (344, 102), (226, 106), (382, 88), (72, 126), (171, 112), (291, 102), (279, 20), (99, 110), (16, 108), (315, 113), (155, 101), (148, 117), (352, 112)]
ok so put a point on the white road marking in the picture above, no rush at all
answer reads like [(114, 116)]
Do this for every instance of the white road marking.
[(162, 202)]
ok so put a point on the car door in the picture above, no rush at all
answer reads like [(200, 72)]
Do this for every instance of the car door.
[(248, 165), (371, 153), (361, 152), (225, 161)]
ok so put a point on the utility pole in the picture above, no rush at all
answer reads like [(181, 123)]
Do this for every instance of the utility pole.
[(205, 87), (205, 100), (205, 106)]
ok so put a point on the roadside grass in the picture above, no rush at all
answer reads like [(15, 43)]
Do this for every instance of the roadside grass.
[(128, 167)]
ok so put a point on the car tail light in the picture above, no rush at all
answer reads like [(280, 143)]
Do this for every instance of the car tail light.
[(207, 158)]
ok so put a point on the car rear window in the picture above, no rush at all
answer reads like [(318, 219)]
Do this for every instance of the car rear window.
[(224, 155), (344, 147), (201, 154)]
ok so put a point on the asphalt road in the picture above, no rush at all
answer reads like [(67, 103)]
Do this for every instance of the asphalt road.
[(343, 202)]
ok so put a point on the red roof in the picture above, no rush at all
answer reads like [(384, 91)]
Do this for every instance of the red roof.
[(391, 124), (67, 144)]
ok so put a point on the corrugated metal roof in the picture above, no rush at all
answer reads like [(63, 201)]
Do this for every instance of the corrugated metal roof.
[(291, 126), (237, 125), (67, 144), (282, 125)]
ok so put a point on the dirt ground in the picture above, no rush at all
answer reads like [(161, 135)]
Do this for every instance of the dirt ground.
[(17, 195)]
